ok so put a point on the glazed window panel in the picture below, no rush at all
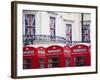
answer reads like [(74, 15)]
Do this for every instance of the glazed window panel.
[(27, 64), (86, 33), (52, 27), (30, 20), (53, 62), (80, 61), (69, 32), (29, 28), (67, 62), (42, 65), (86, 27), (41, 60), (53, 65)]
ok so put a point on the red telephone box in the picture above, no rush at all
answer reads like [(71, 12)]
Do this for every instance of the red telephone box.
[(54, 56), (41, 57), (80, 55), (90, 54), (67, 60), (29, 57), (90, 49)]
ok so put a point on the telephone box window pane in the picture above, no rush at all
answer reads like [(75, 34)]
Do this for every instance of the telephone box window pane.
[(41, 60), (80, 64), (49, 65), (42, 65), (27, 64), (55, 65), (55, 59), (50, 60), (80, 61), (67, 62), (53, 62)]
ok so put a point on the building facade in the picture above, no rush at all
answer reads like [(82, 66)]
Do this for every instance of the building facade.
[(55, 27), (55, 39)]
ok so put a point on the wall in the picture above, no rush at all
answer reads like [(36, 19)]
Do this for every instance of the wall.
[(42, 19), (5, 41)]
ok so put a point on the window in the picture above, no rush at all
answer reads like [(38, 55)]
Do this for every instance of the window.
[(67, 62), (27, 64), (29, 28), (42, 62), (52, 27), (69, 32), (42, 65), (86, 33), (86, 22), (53, 62), (80, 61)]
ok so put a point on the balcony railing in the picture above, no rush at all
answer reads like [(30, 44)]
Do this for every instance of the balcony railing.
[(46, 39)]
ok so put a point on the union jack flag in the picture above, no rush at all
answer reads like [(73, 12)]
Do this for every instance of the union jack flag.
[(29, 24), (29, 27)]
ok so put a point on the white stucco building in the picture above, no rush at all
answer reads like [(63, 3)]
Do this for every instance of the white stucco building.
[(55, 27)]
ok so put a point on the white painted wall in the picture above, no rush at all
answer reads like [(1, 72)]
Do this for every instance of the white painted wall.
[(76, 28), (87, 17), (43, 21), (38, 23), (74, 19), (59, 26)]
